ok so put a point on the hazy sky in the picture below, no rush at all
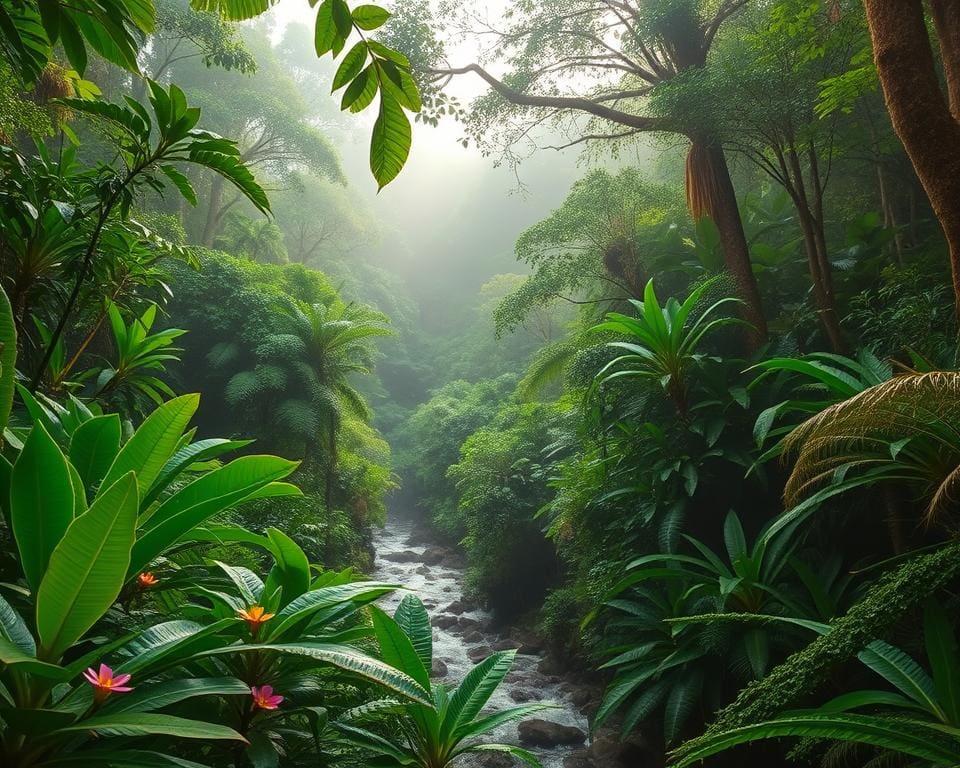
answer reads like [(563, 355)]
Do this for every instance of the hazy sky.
[(451, 218)]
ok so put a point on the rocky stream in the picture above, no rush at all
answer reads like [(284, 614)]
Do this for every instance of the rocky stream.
[(464, 634)]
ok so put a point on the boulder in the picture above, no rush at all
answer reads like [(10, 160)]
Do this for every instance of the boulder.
[(422, 570), (579, 759), (478, 654), (473, 637), (521, 696), (457, 607), (439, 669), (545, 733), (407, 556), (443, 622), (435, 555)]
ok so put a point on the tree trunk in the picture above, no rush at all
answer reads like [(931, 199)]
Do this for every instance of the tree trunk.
[(918, 108), (710, 193), (213, 212), (330, 475)]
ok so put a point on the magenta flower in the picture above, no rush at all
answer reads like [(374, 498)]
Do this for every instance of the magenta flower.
[(265, 698), (104, 683)]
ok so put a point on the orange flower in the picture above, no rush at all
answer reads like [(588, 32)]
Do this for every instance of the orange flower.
[(147, 580), (255, 615)]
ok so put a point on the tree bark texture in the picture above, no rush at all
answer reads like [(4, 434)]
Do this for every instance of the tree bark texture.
[(926, 120)]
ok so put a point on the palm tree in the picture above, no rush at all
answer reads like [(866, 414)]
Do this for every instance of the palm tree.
[(903, 430), (301, 388)]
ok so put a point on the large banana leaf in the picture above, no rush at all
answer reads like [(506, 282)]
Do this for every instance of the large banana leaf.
[(87, 568)]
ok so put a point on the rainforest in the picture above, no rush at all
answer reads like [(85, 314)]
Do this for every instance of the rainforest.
[(479, 383)]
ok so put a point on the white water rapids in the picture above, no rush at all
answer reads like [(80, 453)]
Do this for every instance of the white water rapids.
[(439, 586)]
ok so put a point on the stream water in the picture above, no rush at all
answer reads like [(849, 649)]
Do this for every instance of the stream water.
[(440, 587)]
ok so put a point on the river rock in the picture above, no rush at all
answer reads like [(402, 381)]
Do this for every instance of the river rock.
[(457, 607), (407, 556), (545, 733), (478, 654), (435, 555), (608, 749), (422, 570), (443, 622), (528, 644), (579, 759), (473, 637), (439, 669), (467, 623), (521, 696)]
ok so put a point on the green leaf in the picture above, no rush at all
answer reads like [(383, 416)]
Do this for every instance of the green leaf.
[(910, 737), (325, 31), (475, 690), (292, 566), (414, 620), (390, 143), (361, 92), (14, 629), (156, 696), (87, 568), (147, 724), (944, 655), (351, 66), (181, 182), (370, 17), (8, 358), (202, 499), (306, 605), (396, 648), (94, 447), (41, 503), (345, 658), (154, 442)]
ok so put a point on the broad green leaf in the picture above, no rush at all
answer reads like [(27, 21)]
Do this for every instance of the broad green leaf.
[(944, 656), (370, 17), (475, 690), (93, 448), (306, 605), (396, 648), (205, 497), (148, 724), (909, 737), (345, 658), (87, 568), (414, 620), (351, 66), (14, 629), (390, 143), (156, 696), (41, 503), (292, 566), (154, 442)]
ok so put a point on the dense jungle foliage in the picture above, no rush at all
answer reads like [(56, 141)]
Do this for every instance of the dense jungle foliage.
[(687, 403)]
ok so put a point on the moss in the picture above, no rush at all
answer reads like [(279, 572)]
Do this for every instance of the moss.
[(885, 604)]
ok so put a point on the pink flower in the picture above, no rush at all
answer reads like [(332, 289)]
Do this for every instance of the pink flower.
[(104, 683), (265, 698)]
